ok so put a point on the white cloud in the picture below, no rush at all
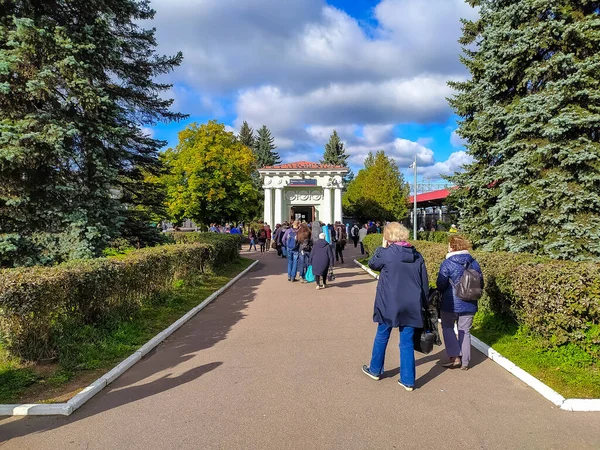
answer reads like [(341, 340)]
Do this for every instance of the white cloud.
[(304, 68), (456, 141), (454, 163)]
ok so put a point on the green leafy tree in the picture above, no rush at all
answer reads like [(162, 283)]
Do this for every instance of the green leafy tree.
[(76, 87), (378, 191), (209, 176), (264, 148), (335, 154), (246, 135), (530, 113)]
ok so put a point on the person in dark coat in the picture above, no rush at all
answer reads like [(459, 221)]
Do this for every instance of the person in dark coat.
[(321, 258), (453, 309), (372, 228), (402, 291)]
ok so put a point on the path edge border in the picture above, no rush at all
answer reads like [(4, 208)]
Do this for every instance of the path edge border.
[(567, 404), (66, 409)]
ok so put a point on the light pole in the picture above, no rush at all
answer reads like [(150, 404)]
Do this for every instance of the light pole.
[(414, 167)]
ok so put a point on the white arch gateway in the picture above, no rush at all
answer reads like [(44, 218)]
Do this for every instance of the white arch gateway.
[(303, 190)]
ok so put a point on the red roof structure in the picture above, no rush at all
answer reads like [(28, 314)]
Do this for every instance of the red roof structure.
[(303, 165), (433, 198)]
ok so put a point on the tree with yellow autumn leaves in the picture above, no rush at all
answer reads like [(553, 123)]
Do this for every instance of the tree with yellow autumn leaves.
[(208, 176)]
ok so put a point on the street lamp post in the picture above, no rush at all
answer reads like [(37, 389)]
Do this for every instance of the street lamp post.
[(414, 167)]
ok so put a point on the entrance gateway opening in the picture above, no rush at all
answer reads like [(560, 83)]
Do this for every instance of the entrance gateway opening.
[(306, 213)]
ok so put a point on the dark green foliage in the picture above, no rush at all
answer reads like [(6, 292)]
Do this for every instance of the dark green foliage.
[(75, 89), (246, 135), (37, 304), (531, 116), (264, 148), (335, 154)]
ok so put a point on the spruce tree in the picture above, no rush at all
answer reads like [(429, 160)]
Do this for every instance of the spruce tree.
[(335, 153), (246, 135), (76, 86), (530, 113), (264, 148)]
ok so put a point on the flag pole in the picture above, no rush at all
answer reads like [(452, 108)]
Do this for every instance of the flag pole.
[(415, 200)]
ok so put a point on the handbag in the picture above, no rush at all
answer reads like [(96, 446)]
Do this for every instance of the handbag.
[(424, 338), (309, 277), (331, 276), (274, 245)]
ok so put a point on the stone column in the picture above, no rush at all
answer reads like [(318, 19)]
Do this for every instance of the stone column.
[(337, 205), (278, 205), (268, 216), (326, 216)]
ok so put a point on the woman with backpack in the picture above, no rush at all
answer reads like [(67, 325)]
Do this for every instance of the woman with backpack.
[(304, 238), (459, 276)]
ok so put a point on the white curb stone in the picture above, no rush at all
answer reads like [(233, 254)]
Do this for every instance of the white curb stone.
[(570, 404), (65, 409)]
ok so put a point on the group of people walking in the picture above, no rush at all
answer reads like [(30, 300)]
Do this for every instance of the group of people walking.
[(316, 246), (403, 296)]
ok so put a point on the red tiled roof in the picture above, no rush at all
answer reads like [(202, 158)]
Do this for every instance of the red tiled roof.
[(304, 165)]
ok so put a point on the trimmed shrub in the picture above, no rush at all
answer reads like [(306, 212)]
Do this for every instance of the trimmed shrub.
[(37, 303), (433, 236), (557, 300), (371, 242)]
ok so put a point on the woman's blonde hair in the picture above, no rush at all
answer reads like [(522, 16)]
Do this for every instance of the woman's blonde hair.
[(395, 232)]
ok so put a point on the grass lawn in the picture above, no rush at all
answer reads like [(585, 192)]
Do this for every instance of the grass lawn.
[(567, 369), (90, 351)]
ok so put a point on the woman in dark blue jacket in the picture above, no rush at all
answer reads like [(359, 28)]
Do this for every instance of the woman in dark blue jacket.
[(401, 293), (321, 258), (454, 310)]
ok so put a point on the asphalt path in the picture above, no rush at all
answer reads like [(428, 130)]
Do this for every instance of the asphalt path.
[(277, 365)]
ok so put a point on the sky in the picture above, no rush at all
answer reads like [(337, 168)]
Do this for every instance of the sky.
[(375, 71)]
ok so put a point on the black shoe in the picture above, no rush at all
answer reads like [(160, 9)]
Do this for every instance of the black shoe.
[(370, 374)]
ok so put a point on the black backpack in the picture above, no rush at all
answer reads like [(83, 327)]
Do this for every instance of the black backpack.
[(470, 286)]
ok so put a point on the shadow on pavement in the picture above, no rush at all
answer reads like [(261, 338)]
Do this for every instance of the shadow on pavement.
[(209, 327)]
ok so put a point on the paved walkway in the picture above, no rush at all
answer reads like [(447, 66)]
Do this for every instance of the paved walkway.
[(271, 365)]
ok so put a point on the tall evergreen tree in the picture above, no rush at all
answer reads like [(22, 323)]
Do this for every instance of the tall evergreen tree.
[(335, 153), (246, 135), (76, 85), (531, 116), (264, 148)]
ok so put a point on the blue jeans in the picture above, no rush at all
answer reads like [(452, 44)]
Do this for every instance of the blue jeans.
[(407, 353), (292, 256), (302, 264)]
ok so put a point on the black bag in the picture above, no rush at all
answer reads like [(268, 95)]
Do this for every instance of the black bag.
[(423, 341), (470, 286), (424, 338), (331, 276)]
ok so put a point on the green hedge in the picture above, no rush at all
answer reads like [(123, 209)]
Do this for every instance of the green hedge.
[(226, 246), (433, 236), (37, 303), (557, 300)]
